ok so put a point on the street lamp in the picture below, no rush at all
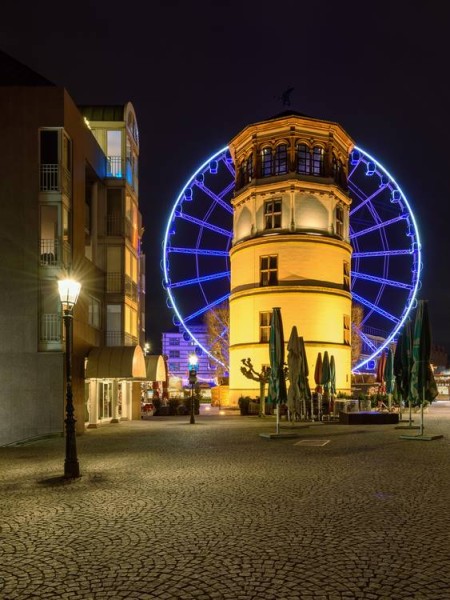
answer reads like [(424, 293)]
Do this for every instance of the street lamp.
[(68, 293), (193, 366)]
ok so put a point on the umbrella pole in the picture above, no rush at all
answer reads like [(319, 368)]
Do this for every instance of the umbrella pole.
[(410, 410), (421, 412), (277, 410)]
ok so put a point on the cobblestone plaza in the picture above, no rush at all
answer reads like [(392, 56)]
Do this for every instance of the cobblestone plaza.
[(169, 510)]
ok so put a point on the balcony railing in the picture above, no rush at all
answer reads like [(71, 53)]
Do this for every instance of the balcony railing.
[(55, 178), (116, 225), (119, 338), (51, 328), (121, 168), (53, 253)]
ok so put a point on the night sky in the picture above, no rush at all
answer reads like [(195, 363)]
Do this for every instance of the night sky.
[(198, 72)]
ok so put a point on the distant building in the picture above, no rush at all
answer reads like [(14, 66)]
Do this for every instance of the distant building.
[(177, 345), (68, 206)]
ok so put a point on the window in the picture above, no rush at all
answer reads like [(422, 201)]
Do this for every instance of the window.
[(340, 220), (174, 341), (266, 162), (347, 330), (272, 214), (264, 326), (250, 168), (268, 270), (303, 159), (94, 315), (281, 163), (317, 161), (346, 283), (174, 367), (174, 354)]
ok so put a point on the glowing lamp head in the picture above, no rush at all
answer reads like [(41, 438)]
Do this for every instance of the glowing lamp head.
[(69, 290), (193, 361)]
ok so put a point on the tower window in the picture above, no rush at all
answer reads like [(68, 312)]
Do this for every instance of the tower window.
[(346, 276), (272, 214), (266, 162), (347, 330), (250, 168), (265, 319), (281, 160), (317, 161), (303, 159), (340, 220), (268, 270)]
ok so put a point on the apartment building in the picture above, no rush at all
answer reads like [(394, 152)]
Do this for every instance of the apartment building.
[(68, 206)]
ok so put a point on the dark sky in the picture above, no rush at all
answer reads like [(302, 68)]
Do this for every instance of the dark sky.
[(198, 72)]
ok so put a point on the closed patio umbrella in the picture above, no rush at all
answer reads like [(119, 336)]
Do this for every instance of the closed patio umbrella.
[(318, 382), (402, 366), (422, 384), (293, 361), (332, 382), (277, 382), (325, 379), (303, 381), (389, 376)]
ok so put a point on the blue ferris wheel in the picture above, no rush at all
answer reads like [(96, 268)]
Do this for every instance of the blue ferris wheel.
[(386, 259)]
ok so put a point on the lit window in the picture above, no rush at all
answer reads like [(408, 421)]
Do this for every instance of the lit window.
[(266, 162), (94, 315), (281, 163), (264, 326), (174, 354), (268, 270), (340, 220), (317, 161), (303, 159), (346, 276), (272, 214), (347, 325)]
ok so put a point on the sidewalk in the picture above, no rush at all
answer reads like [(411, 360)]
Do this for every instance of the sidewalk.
[(169, 510)]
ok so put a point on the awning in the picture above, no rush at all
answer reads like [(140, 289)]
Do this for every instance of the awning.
[(156, 367), (116, 362)]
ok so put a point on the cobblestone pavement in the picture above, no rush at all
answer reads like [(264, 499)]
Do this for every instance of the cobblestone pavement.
[(169, 510)]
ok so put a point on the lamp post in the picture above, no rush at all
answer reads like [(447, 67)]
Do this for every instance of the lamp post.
[(68, 293), (193, 365)]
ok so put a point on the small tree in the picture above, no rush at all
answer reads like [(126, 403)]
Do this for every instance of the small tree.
[(357, 317), (217, 322), (262, 378)]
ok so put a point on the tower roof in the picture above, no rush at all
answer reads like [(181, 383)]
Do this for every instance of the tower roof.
[(102, 112), (14, 73)]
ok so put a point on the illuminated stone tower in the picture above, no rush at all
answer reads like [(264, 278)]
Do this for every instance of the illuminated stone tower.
[(290, 243)]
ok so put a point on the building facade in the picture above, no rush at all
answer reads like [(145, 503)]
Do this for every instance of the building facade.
[(290, 244), (68, 207), (177, 346)]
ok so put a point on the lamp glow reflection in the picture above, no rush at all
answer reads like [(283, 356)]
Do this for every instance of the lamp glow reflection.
[(69, 291)]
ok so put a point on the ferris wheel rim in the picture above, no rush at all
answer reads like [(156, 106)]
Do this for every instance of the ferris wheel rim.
[(416, 249)]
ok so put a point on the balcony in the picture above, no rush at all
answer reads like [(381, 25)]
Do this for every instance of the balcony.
[(117, 283), (55, 178), (120, 338), (51, 328), (119, 226), (53, 253)]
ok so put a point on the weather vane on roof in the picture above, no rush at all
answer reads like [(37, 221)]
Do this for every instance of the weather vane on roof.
[(285, 96)]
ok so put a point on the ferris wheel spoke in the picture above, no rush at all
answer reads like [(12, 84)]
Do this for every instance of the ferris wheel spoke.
[(377, 226), (364, 338), (206, 308), (196, 280), (382, 280), (367, 199), (375, 308), (205, 224), (198, 251), (383, 253), (214, 197)]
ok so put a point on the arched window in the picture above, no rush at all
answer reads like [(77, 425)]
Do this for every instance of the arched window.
[(249, 168), (303, 159), (243, 173), (317, 161), (281, 160), (339, 225), (266, 162)]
